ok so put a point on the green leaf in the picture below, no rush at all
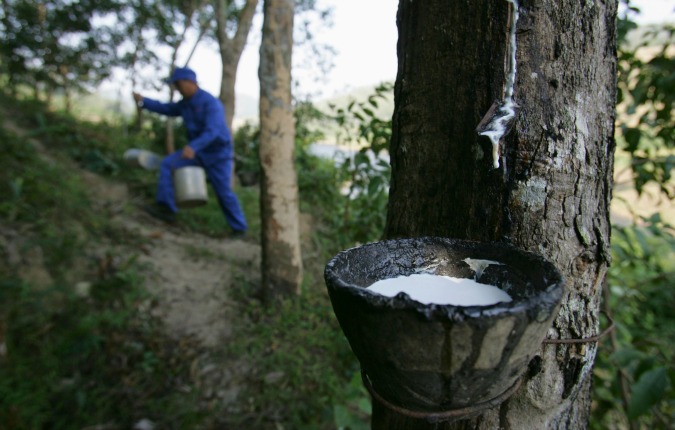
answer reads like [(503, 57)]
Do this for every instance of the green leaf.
[(16, 186), (647, 392), (365, 406), (625, 356), (341, 416), (362, 159), (632, 136), (374, 185)]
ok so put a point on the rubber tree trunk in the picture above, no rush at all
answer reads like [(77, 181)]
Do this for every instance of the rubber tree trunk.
[(281, 260), (552, 190), (231, 48)]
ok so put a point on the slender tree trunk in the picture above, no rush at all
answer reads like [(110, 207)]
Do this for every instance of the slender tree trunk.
[(139, 118), (68, 102), (281, 260), (139, 110), (227, 84), (551, 191), (231, 49), (203, 26), (170, 136), (230, 54)]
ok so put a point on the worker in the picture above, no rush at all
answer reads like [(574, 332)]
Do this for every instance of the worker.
[(209, 146)]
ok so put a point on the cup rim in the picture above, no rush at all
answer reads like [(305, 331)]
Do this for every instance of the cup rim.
[(547, 299)]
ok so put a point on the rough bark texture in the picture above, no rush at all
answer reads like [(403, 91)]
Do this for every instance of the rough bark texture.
[(552, 190), (231, 49), (281, 262)]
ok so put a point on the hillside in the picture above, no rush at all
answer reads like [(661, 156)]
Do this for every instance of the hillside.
[(153, 326)]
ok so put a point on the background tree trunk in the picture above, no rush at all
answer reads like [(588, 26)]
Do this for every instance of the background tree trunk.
[(552, 190), (281, 260), (231, 49)]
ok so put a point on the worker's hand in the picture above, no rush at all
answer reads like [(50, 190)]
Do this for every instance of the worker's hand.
[(137, 97), (188, 153)]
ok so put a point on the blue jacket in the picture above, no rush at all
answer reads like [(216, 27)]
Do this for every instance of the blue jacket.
[(204, 118)]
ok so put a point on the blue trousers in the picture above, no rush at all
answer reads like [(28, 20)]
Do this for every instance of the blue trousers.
[(218, 172)]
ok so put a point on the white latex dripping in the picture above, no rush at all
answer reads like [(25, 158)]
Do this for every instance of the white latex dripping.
[(496, 129)]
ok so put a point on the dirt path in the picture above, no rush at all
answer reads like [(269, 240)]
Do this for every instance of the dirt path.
[(191, 276)]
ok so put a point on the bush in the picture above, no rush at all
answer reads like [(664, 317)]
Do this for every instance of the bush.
[(634, 371)]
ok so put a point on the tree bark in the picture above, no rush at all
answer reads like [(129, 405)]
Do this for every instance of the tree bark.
[(281, 261), (552, 190), (231, 49)]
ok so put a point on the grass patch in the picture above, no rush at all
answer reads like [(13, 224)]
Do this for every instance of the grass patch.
[(304, 370), (73, 362), (209, 219)]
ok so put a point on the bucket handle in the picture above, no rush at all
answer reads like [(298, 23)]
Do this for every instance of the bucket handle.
[(199, 164)]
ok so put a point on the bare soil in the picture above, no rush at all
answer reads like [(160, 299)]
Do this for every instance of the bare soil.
[(191, 275)]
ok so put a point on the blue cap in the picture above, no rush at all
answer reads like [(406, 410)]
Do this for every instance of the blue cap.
[(182, 74)]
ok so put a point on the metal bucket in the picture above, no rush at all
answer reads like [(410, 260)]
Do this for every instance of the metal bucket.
[(142, 158), (190, 186)]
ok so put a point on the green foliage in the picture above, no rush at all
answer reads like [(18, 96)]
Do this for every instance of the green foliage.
[(72, 359), (648, 391), (44, 195), (75, 361), (634, 373), (318, 180), (60, 47), (209, 220), (346, 218), (96, 146), (246, 152), (646, 129), (367, 172), (155, 132), (54, 44), (24, 188), (353, 413), (302, 384)]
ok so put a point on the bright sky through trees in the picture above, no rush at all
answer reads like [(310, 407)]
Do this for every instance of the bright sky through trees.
[(364, 35)]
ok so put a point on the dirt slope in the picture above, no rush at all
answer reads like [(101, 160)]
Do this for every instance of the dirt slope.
[(189, 273)]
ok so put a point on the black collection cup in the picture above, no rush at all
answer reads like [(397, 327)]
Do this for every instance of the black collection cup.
[(431, 357)]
